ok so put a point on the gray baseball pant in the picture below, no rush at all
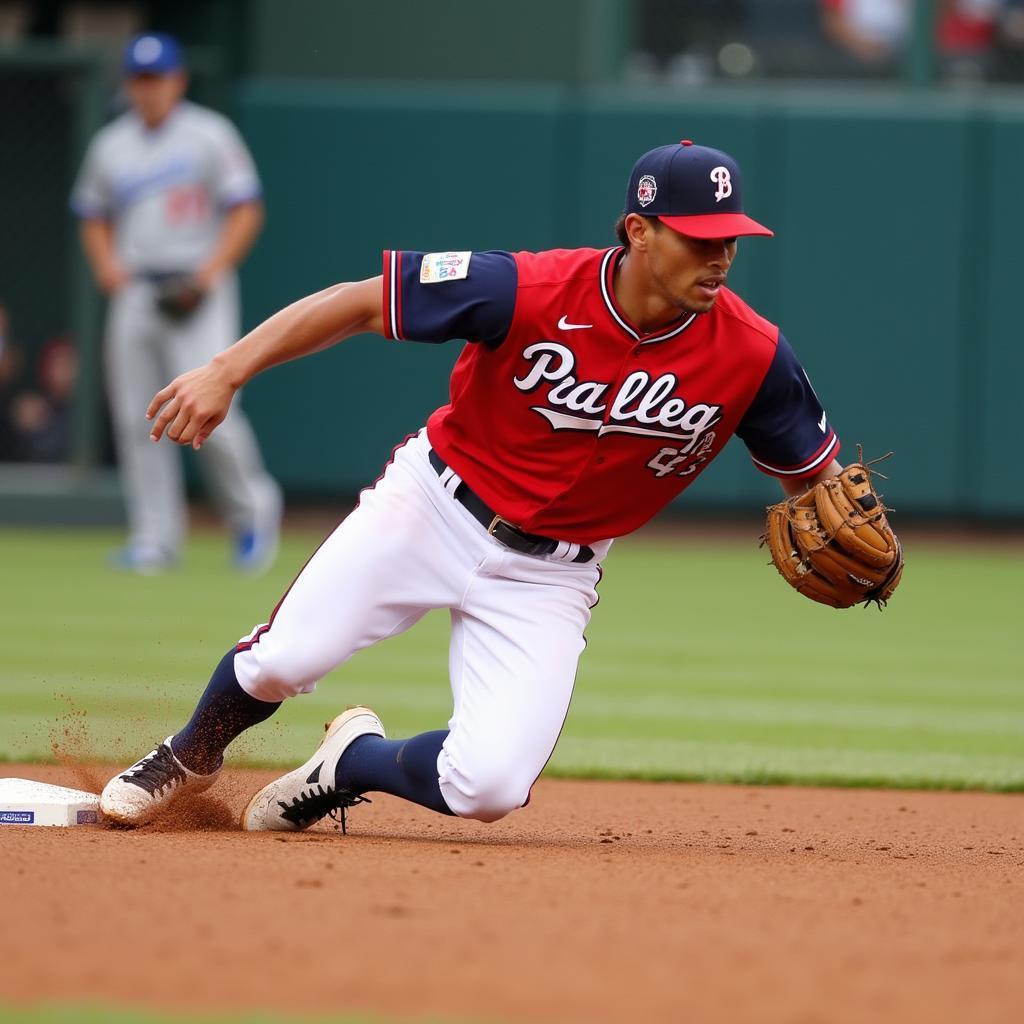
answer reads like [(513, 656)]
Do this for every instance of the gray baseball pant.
[(144, 351)]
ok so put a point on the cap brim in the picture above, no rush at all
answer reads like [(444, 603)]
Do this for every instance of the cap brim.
[(716, 225)]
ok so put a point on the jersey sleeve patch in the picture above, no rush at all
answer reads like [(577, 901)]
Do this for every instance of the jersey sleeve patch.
[(437, 267), (786, 430), (476, 306)]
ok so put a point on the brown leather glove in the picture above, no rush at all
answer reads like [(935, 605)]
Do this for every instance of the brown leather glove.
[(834, 543), (178, 297)]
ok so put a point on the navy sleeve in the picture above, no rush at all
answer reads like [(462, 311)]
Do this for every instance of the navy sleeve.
[(786, 429), (452, 295)]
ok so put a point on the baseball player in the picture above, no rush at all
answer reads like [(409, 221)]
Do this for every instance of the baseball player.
[(169, 202), (596, 385)]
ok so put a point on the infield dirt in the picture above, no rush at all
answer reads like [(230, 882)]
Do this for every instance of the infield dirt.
[(600, 901)]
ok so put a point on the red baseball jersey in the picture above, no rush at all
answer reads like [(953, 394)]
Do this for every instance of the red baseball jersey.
[(571, 422)]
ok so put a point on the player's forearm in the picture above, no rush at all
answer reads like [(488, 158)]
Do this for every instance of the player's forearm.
[(794, 487), (98, 244), (241, 227), (313, 323)]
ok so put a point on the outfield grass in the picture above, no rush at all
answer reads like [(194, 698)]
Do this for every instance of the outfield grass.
[(701, 664)]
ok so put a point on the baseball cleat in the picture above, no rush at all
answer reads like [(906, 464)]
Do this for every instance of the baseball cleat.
[(140, 793), (304, 796), (142, 559), (255, 551)]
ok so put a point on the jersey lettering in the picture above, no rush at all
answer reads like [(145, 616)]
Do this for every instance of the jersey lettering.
[(642, 405), (131, 186), (187, 204), (669, 459)]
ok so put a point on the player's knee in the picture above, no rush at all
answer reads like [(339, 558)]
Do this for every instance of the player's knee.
[(490, 804), (267, 672), (486, 794)]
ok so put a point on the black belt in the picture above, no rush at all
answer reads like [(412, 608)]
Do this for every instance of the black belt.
[(159, 276), (501, 529)]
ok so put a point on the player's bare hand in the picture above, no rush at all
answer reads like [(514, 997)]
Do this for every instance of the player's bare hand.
[(191, 406), (112, 278)]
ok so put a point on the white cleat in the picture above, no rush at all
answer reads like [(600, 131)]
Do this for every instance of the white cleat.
[(304, 796), (140, 793)]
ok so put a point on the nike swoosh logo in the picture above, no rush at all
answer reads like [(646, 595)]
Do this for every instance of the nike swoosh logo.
[(564, 325), (821, 423)]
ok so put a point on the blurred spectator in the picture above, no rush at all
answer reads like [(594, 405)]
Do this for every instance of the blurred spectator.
[(1010, 43), (876, 32), (39, 419), (1013, 22), (36, 435), (58, 371), (688, 43), (871, 30), (967, 32), (10, 368)]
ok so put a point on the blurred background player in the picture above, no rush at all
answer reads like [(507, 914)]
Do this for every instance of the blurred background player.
[(170, 203)]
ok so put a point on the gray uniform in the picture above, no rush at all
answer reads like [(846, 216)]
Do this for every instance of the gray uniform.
[(165, 191)]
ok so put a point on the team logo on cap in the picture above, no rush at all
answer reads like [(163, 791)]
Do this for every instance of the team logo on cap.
[(723, 179), (147, 50), (646, 190)]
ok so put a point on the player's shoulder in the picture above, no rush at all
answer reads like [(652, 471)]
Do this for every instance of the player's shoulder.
[(557, 266), (200, 119), (732, 308), (117, 131), (188, 110)]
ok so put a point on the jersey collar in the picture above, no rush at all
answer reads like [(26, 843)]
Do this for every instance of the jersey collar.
[(153, 133), (608, 264)]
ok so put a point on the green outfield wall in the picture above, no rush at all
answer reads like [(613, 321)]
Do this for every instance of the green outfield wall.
[(566, 41), (894, 271)]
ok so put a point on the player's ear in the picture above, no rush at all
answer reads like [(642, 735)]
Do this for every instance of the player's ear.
[(638, 230)]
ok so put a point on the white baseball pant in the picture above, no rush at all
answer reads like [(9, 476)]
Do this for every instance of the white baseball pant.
[(517, 626)]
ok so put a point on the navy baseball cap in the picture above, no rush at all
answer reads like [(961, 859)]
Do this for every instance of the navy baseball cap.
[(153, 53), (695, 190)]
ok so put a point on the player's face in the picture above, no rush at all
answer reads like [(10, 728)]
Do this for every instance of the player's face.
[(153, 97), (687, 272)]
